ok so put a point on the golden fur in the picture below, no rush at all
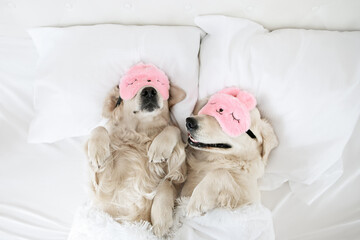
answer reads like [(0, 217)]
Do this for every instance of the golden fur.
[(219, 177), (137, 161)]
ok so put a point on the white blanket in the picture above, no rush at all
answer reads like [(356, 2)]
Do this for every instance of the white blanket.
[(246, 223)]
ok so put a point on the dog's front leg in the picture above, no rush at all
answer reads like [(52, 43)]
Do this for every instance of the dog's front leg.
[(98, 148), (163, 144), (215, 188), (203, 197), (162, 208)]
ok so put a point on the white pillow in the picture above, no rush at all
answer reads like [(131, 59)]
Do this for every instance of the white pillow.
[(306, 82), (79, 65)]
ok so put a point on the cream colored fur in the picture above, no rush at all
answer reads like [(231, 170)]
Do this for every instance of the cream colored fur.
[(136, 161), (226, 177)]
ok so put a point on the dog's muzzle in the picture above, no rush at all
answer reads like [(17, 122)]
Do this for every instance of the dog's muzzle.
[(192, 126), (149, 99)]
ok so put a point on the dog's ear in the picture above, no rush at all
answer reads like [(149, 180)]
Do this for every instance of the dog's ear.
[(269, 139), (176, 95), (199, 105), (112, 101)]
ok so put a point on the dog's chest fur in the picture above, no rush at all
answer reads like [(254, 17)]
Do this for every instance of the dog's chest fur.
[(204, 162), (134, 177), (200, 163)]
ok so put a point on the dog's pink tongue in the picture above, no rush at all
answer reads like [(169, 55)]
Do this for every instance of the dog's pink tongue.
[(192, 139)]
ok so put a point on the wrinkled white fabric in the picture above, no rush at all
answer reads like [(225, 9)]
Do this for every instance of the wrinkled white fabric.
[(42, 185), (79, 65), (252, 222), (93, 224)]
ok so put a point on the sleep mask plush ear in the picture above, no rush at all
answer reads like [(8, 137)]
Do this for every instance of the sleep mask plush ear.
[(141, 75), (231, 108)]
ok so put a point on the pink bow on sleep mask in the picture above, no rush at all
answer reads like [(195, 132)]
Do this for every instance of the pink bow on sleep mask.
[(231, 108), (141, 75)]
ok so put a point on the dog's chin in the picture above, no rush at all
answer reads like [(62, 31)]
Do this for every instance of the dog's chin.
[(206, 146), (149, 107)]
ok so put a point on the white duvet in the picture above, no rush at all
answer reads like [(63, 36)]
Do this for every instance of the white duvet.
[(246, 223)]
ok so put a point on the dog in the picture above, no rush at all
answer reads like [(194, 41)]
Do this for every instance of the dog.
[(138, 160), (223, 170)]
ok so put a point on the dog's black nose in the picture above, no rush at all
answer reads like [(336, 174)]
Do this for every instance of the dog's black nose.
[(148, 92), (191, 124)]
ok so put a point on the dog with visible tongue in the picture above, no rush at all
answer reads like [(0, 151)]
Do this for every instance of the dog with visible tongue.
[(230, 144)]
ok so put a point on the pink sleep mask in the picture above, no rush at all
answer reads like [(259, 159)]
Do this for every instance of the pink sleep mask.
[(231, 108), (141, 75)]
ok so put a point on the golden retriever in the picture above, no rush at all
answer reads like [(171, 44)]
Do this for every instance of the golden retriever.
[(137, 160), (223, 170)]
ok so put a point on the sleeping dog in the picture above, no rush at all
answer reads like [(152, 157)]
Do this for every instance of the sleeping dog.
[(137, 160), (225, 158)]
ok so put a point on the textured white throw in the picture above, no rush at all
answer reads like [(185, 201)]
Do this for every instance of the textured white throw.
[(246, 223)]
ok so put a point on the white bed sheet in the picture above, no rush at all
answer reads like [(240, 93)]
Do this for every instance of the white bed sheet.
[(41, 185)]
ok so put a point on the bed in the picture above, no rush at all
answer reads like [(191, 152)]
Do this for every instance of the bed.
[(42, 184)]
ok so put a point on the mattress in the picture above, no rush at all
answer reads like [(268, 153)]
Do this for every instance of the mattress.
[(42, 185)]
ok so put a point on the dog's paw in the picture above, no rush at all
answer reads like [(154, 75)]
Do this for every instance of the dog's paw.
[(197, 207), (193, 211), (161, 228), (226, 200), (163, 145), (98, 153), (160, 149), (200, 203), (162, 221)]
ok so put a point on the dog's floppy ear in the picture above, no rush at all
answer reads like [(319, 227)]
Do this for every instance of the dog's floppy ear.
[(199, 105), (112, 101), (176, 95), (269, 139)]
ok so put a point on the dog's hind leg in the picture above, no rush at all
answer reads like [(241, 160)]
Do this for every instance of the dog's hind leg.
[(162, 208)]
